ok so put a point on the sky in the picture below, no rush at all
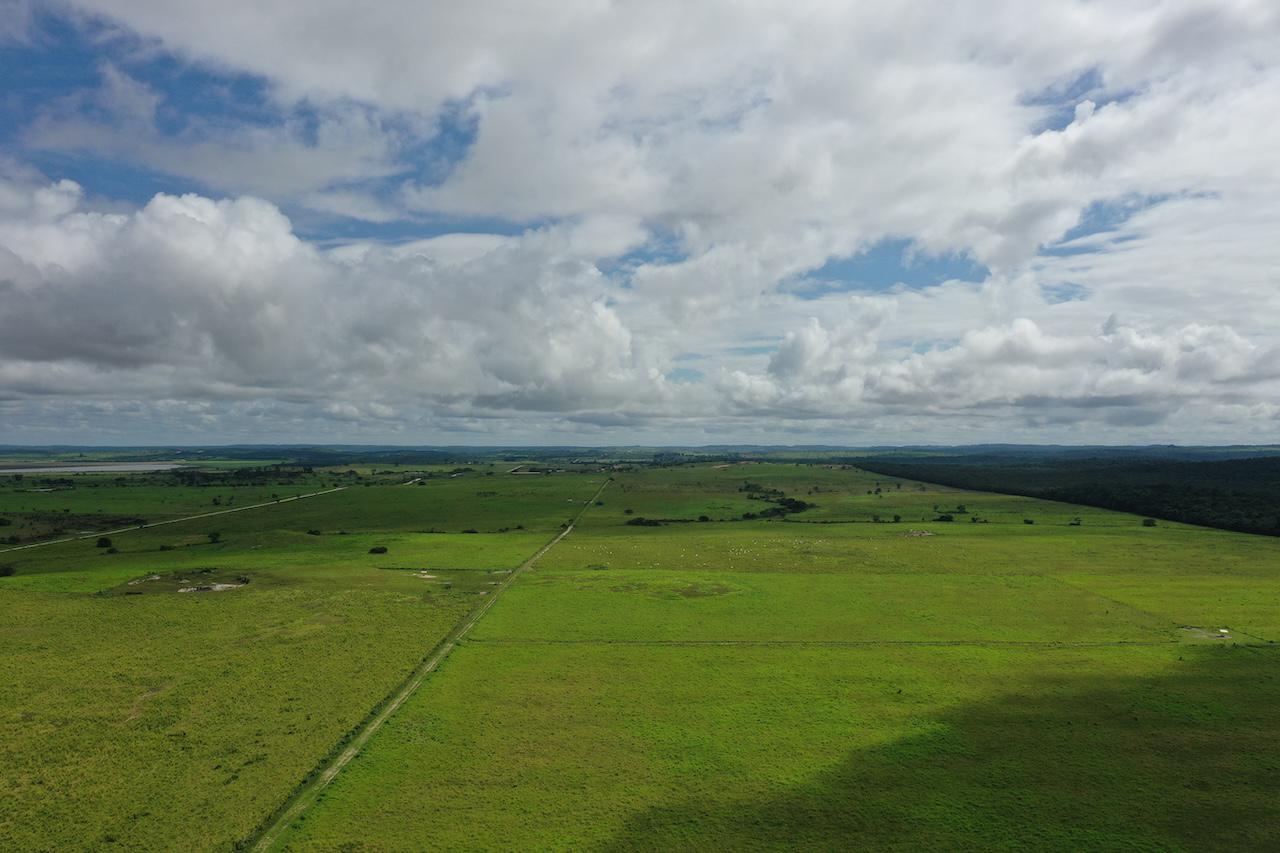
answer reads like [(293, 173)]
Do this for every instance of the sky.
[(657, 222)]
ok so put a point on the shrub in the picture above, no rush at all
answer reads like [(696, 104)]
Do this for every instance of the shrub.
[(471, 530), (215, 537), (6, 571), (1028, 521), (104, 542), (1148, 522), (313, 532), (704, 518), (378, 549), (946, 516)]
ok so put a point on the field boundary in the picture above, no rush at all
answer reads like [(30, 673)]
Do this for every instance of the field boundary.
[(1047, 644), (120, 530), (272, 829)]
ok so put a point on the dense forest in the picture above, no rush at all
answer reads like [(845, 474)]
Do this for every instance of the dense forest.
[(1234, 494)]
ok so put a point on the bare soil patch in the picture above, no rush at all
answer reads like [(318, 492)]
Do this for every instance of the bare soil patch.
[(204, 579), (1195, 632)]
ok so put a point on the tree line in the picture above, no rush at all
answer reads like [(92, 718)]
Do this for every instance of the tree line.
[(1235, 494)]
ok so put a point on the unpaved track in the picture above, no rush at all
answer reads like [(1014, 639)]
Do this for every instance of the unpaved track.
[(1035, 644), (120, 530), (273, 831)]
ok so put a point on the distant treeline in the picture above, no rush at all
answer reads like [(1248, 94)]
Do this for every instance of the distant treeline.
[(1234, 494)]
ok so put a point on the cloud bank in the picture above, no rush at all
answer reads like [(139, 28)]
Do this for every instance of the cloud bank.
[(619, 222)]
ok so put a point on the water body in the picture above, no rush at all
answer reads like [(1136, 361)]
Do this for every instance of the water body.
[(103, 468)]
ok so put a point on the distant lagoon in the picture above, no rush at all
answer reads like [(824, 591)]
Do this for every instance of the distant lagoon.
[(103, 468)]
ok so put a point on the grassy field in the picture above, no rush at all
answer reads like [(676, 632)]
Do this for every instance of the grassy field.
[(815, 679), (779, 685), (138, 716), (595, 746)]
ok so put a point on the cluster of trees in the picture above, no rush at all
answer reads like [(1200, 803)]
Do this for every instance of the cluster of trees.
[(1233, 494), (782, 505), (259, 476)]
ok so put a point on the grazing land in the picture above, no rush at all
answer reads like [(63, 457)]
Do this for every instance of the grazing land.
[(720, 654), (170, 690)]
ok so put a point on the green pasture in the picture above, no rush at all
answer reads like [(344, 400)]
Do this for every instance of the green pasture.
[(785, 546), (774, 684), (136, 716), (812, 680), (661, 605), (653, 747)]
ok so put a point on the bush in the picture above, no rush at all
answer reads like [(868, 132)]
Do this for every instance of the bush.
[(6, 571), (471, 530), (1028, 521), (166, 547), (1148, 522), (313, 532), (378, 549), (704, 518), (946, 516), (104, 542), (215, 538)]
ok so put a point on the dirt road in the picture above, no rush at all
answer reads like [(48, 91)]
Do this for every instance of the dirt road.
[(119, 530), (273, 830)]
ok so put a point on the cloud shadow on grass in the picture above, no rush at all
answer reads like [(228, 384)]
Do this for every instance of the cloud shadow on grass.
[(1187, 760)]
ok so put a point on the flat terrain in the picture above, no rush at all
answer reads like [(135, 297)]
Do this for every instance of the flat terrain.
[(779, 684), (702, 663), (135, 714)]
